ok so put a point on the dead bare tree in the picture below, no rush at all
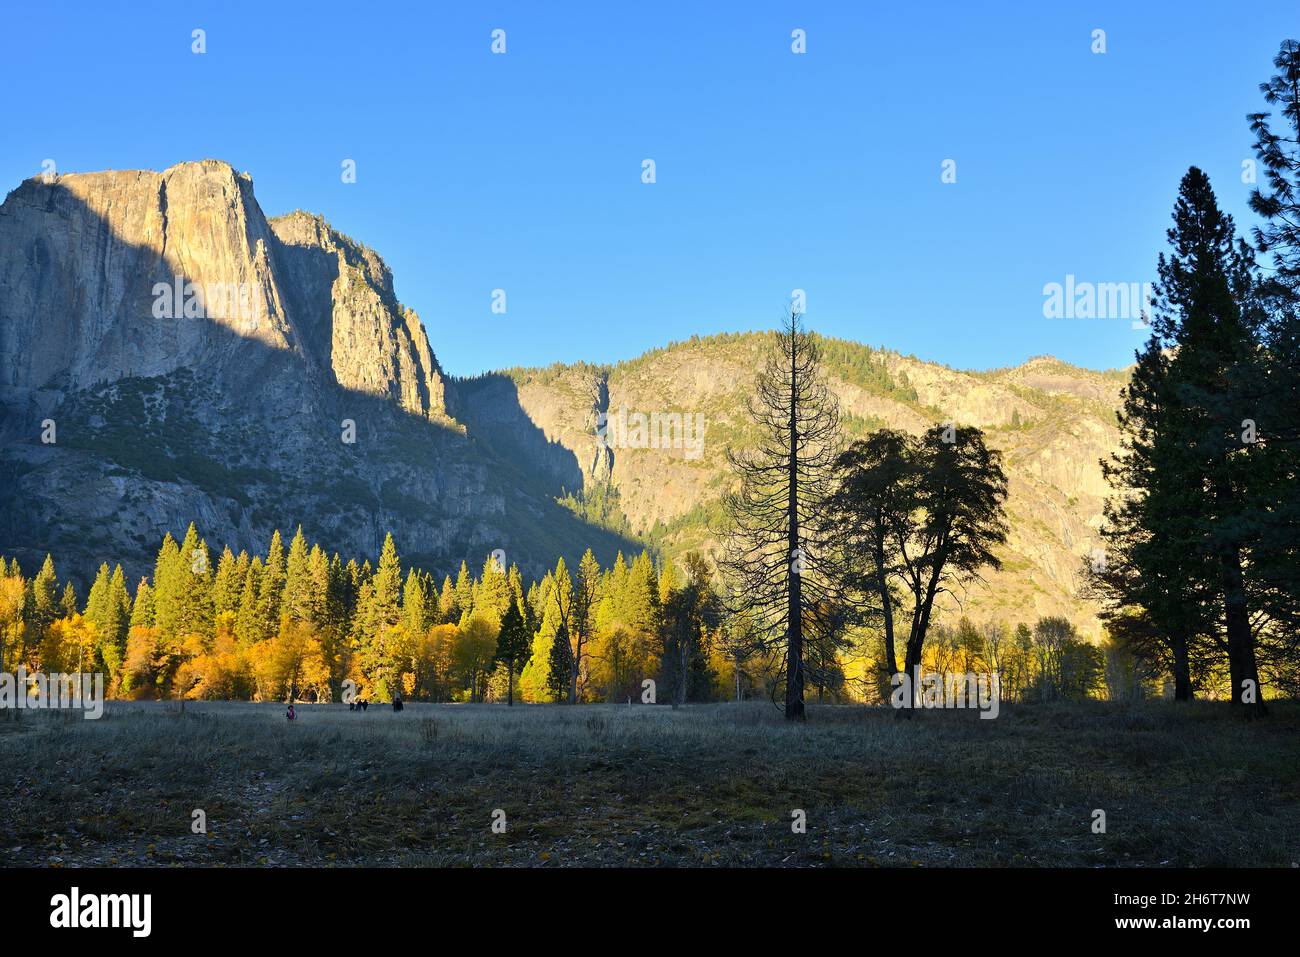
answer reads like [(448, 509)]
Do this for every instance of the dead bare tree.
[(777, 553)]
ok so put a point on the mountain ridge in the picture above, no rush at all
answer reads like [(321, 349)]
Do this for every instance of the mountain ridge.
[(234, 420)]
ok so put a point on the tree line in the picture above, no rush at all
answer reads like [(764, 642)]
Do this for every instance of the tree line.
[(296, 624), (1201, 564)]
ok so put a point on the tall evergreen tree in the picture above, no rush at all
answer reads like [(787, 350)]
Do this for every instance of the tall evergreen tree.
[(561, 664), (514, 642), (142, 609), (45, 599), (296, 604), (227, 584), (1205, 313), (1148, 574), (582, 621), (448, 610)]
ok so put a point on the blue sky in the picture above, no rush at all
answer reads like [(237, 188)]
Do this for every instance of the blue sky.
[(775, 171)]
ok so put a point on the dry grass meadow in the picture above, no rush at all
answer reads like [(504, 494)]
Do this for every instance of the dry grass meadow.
[(705, 786)]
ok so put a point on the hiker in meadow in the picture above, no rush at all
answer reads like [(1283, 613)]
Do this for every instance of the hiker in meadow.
[(290, 713)]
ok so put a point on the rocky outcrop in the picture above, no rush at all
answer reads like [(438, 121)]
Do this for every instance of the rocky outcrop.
[(167, 354), (118, 274)]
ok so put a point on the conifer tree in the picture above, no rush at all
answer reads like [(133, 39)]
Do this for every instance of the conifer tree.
[(227, 585), (68, 601), (448, 610), (297, 600), (270, 589), (379, 612), (44, 599), (492, 594), (1279, 150), (560, 664), (414, 613), (464, 593), (142, 609), (778, 554), (1205, 311), (514, 642), (582, 620), (249, 628)]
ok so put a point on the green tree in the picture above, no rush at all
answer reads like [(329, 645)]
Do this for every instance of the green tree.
[(561, 664), (514, 644)]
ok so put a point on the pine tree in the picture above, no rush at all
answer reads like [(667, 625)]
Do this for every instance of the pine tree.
[(464, 593), (1204, 311), (582, 621), (227, 585), (493, 592), (270, 590), (560, 664), (166, 589), (190, 592), (379, 612), (1279, 202), (1276, 553), (68, 601), (689, 613), (44, 599), (249, 627), (108, 611), (448, 610), (514, 642), (1147, 575), (142, 609), (296, 604), (415, 613)]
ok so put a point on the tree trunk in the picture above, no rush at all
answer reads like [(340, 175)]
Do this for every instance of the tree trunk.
[(510, 685), (794, 710), (1182, 668), (882, 586), (1246, 692)]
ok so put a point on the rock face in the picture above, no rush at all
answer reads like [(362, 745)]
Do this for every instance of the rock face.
[(93, 265), (198, 361)]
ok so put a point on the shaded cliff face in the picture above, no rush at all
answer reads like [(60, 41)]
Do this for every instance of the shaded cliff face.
[(168, 354), (104, 276)]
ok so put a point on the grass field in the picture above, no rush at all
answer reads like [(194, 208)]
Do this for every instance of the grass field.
[(709, 785)]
